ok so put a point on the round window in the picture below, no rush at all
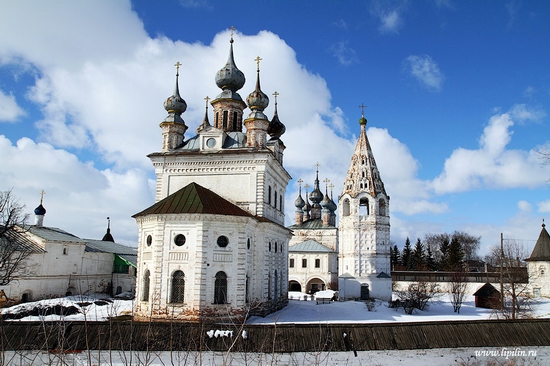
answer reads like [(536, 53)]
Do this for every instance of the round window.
[(211, 142), (179, 240), (149, 240), (223, 241)]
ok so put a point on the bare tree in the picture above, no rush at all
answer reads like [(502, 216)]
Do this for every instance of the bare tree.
[(15, 248), (417, 295), (509, 257), (457, 290)]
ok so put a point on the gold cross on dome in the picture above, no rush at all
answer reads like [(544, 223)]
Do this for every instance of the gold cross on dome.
[(327, 181), (363, 106), (177, 65), (258, 59), (207, 99), (317, 165), (42, 195), (232, 29), (276, 95)]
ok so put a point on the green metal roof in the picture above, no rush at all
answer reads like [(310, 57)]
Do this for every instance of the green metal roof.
[(194, 199), (311, 224), (310, 246)]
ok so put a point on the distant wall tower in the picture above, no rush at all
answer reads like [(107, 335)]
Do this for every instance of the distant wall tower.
[(364, 227)]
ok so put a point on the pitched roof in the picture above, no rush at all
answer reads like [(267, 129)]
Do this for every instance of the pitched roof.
[(194, 199), (108, 247), (541, 252), (310, 246), (487, 290), (17, 241)]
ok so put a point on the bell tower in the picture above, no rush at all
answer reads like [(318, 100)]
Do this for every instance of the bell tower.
[(364, 227)]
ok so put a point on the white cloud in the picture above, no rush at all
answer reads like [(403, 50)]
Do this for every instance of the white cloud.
[(344, 54), (389, 13), (425, 70), (492, 165), (525, 206), (544, 206), (9, 110), (78, 196)]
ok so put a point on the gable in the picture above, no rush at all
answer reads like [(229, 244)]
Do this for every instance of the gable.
[(194, 199)]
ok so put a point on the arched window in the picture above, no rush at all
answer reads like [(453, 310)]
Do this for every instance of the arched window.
[(234, 124), (345, 207), (269, 195), (382, 208), (364, 206), (178, 287), (220, 288), (225, 117), (146, 283)]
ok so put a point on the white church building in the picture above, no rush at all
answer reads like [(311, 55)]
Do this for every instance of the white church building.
[(214, 245), (352, 256)]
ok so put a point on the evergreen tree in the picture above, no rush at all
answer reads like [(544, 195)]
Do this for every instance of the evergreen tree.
[(418, 256), (394, 256), (456, 256), (430, 261), (444, 249), (407, 254)]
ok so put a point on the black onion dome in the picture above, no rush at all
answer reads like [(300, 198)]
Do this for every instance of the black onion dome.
[(230, 77), (276, 128), (299, 203), (40, 210)]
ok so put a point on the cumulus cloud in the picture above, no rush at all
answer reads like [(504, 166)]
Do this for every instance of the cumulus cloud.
[(78, 196), (492, 165), (9, 109), (425, 70)]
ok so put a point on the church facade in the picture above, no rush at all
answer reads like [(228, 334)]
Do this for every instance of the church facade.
[(214, 244)]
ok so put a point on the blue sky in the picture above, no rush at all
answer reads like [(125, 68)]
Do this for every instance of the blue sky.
[(457, 96)]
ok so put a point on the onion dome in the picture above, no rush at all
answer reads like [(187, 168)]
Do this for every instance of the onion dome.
[(40, 210), (299, 203), (316, 195), (108, 236), (229, 78), (257, 100), (174, 104), (276, 128), (307, 206), (325, 203)]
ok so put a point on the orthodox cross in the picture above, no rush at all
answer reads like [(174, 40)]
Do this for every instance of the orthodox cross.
[(207, 99), (42, 196), (306, 187), (331, 187), (258, 59), (177, 65), (300, 181), (276, 95), (363, 106), (232, 31), (327, 181), (317, 165)]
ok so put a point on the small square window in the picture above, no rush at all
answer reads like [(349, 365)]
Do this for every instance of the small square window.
[(304, 263), (317, 263), (65, 251), (291, 262)]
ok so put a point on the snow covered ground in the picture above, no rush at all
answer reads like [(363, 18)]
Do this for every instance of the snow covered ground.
[(301, 311), (298, 311), (96, 308)]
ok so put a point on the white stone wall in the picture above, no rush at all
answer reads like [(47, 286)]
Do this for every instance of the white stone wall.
[(305, 275), (539, 278)]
